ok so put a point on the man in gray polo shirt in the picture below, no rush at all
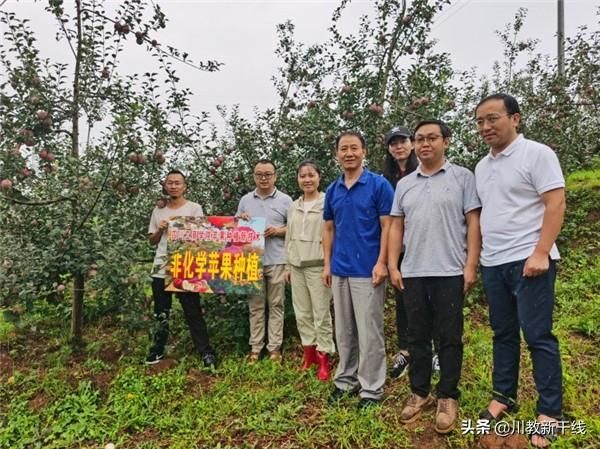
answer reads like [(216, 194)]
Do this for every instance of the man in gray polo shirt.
[(522, 192), (436, 215), (268, 202)]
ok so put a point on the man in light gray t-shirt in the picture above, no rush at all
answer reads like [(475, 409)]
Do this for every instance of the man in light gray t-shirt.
[(436, 216), (175, 186)]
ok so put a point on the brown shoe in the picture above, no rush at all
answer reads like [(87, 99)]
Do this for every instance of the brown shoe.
[(445, 416), (275, 355), (253, 357), (413, 407)]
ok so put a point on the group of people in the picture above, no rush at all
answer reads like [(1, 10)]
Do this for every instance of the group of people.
[(426, 225)]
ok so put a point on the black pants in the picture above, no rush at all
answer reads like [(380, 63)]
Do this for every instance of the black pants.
[(434, 306), (190, 302)]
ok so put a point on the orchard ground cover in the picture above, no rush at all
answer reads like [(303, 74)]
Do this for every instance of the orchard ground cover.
[(52, 397)]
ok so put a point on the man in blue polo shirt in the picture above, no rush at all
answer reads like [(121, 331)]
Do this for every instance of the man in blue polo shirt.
[(356, 214)]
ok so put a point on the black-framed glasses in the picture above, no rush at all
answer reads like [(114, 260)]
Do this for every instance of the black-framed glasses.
[(420, 140), (264, 175)]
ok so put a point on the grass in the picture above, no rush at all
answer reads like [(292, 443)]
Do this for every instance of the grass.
[(51, 397)]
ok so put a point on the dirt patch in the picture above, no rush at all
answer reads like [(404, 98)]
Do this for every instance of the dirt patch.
[(39, 402), (7, 364), (428, 439), (479, 314), (493, 441), (310, 415), (199, 381), (250, 440), (162, 366), (101, 382), (146, 435), (109, 355)]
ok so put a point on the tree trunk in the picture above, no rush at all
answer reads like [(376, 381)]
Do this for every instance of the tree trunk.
[(78, 278), (77, 311)]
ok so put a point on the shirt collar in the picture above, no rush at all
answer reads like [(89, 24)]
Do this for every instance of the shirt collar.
[(301, 199), (443, 168), (509, 149), (361, 180), (271, 195)]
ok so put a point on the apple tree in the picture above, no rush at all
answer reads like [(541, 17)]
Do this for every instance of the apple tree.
[(83, 150)]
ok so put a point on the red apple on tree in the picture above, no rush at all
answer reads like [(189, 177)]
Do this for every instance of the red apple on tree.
[(6, 184), (41, 114), (375, 108)]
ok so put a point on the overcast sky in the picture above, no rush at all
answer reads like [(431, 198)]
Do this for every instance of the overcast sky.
[(241, 34)]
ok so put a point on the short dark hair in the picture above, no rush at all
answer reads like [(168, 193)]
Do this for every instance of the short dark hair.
[(176, 172), (444, 129), (308, 163), (266, 161), (354, 133), (510, 103)]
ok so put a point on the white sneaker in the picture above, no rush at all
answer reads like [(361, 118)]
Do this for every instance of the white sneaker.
[(435, 362)]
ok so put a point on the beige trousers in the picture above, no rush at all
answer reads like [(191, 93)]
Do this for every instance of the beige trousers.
[(273, 296), (312, 300)]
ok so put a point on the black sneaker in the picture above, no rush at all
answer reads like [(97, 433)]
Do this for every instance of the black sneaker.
[(155, 356), (210, 360), (366, 403), (400, 366), (337, 394)]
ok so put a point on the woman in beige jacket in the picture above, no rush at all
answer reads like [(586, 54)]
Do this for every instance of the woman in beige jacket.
[(311, 299)]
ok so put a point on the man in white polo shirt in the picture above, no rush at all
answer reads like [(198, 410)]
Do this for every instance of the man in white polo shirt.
[(521, 188)]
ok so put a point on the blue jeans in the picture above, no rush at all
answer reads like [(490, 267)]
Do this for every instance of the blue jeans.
[(517, 302)]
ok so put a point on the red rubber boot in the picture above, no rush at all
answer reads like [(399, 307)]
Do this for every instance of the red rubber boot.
[(310, 357), (324, 370)]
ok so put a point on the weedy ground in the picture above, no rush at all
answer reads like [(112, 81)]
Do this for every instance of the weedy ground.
[(52, 397)]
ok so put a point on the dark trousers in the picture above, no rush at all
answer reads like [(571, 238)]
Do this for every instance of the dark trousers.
[(190, 302), (517, 302), (402, 324), (401, 321), (434, 306)]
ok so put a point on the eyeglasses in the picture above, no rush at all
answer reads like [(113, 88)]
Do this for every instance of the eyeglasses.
[(264, 175), (420, 140), (174, 183), (491, 119)]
